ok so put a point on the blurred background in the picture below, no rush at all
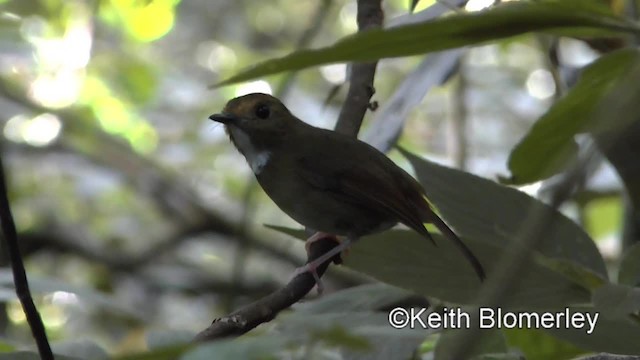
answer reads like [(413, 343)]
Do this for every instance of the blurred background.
[(135, 212)]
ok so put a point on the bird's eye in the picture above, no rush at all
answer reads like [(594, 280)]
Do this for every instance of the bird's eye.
[(262, 111)]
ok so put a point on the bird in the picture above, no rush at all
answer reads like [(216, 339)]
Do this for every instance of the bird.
[(327, 181)]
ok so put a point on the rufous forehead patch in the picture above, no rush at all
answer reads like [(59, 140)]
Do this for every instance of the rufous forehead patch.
[(246, 104)]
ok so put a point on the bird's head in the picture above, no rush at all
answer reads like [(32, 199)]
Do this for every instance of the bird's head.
[(261, 117)]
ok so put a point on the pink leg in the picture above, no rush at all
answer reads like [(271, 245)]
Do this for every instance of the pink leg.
[(317, 236), (313, 265)]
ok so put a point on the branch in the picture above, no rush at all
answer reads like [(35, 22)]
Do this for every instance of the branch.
[(266, 309), (361, 88), (19, 274)]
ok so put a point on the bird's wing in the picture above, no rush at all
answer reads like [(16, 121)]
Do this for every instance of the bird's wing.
[(362, 178)]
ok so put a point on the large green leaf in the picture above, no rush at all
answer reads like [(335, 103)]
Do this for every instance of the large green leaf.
[(491, 213), (604, 98), (612, 335), (30, 355), (170, 352), (249, 348), (358, 335), (538, 345), (617, 301), (405, 259), (492, 341), (453, 31), (360, 298), (81, 349), (629, 273), (355, 311)]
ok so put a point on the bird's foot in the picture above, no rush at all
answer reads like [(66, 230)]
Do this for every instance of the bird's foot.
[(312, 266), (312, 269), (323, 235)]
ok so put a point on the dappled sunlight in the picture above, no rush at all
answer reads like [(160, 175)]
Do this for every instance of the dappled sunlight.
[(477, 5), (259, 86), (540, 84), (335, 73), (61, 61), (215, 56), (116, 117), (41, 130), (531, 189), (143, 20)]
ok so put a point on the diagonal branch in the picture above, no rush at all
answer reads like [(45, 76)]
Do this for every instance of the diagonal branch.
[(361, 88), (266, 308)]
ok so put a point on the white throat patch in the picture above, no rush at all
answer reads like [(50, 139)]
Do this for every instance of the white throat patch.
[(256, 159)]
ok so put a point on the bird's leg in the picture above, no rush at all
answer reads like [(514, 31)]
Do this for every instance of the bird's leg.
[(312, 266), (317, 236), (322, 235)]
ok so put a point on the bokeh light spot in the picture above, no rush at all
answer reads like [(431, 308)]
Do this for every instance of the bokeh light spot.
[(259, 86), (540, 84)]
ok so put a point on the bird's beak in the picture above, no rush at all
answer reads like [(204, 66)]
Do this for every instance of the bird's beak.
[(224, 118)]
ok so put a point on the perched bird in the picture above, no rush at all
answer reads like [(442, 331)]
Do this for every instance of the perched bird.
[(328, 181)]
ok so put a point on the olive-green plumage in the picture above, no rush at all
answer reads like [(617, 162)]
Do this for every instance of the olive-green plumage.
[(325, 180)]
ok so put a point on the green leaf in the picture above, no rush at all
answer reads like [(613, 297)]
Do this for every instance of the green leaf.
[(360, 298), (574, 272), (405, 259), (165, 353), (337, 336), (382, 340), (249, 348), (612, 335), (6, 346), (491, 341), (457, 30), (608, 86), (617, 300), (29, 355), (167, 338), (491, 213), (630, 267), (538, 345), (81, 349)]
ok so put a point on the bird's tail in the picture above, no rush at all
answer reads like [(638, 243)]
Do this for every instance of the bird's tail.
[(447, 232)]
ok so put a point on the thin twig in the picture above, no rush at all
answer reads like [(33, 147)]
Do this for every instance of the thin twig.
[(266, 309), (19, 274), (370, 16)]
